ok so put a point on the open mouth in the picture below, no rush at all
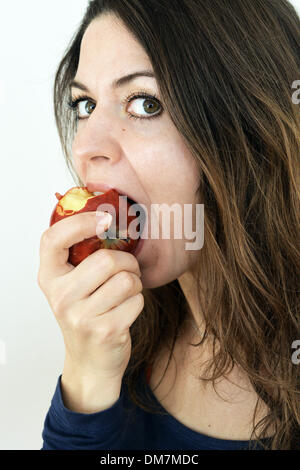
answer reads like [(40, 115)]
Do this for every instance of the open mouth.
[(119, 236)]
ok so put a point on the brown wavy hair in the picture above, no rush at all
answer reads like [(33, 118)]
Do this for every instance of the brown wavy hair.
[(226, 78)]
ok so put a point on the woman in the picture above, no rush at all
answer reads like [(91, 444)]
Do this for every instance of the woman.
[(214, 123)]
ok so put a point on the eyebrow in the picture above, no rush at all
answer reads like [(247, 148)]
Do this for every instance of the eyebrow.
[(116, 83)]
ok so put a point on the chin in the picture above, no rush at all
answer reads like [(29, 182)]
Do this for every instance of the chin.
[(151, 280), (155, 268)]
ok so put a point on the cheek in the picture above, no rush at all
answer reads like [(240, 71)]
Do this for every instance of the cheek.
[(162, 161), (76, 161)]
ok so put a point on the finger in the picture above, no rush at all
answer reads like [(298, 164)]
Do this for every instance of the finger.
[(121, 317), (113, 292), (57, 239), (97, 268)]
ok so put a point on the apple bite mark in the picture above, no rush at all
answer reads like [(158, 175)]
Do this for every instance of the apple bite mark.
[(73, 201), (79, 199)]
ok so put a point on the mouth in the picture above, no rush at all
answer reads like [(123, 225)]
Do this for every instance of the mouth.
[(99, 189)]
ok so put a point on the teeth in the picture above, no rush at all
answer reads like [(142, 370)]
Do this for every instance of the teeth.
[(97, 193)]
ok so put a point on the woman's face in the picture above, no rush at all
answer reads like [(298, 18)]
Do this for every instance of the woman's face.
[(144, 158)]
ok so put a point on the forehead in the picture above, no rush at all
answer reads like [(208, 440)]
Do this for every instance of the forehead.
[(108, 46)]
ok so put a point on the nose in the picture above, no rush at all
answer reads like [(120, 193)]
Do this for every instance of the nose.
[(97, 140)]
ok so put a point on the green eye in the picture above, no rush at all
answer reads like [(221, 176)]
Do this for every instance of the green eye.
[(86, 106), (82, 106), (143, 106)]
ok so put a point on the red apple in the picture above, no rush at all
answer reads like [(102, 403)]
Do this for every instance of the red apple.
[(79, 199)]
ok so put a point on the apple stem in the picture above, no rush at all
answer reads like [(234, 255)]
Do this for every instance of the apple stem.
[(58, 196)]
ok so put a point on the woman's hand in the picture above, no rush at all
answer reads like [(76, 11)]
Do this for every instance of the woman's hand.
[(94, 304)]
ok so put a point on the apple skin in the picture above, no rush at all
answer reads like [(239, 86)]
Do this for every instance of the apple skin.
[(83, 249)]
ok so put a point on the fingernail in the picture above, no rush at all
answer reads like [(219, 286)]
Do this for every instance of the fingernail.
[(104, 220)]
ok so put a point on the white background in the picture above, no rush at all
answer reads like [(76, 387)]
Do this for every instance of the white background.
[(33, 37)]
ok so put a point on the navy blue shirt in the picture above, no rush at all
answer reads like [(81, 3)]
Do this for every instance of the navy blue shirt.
[(118, 429)]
